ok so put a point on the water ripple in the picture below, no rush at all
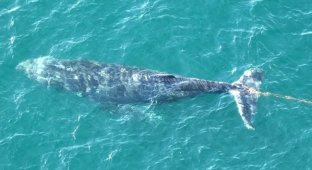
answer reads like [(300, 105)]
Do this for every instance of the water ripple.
[(14, 136), (9, 11), (218, 40)]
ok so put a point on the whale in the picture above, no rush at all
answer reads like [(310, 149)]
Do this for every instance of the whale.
[(123, 84)]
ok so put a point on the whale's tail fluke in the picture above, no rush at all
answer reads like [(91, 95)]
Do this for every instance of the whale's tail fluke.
[(244, 97)]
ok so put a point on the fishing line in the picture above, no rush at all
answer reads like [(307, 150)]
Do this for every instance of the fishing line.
[(254, 91)]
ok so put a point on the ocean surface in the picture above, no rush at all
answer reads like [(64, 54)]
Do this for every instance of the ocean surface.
[(43, 128)]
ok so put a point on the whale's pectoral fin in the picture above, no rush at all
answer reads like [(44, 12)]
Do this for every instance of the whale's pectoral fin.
[(245, 99)]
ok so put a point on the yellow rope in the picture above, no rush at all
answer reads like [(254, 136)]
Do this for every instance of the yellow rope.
[(254, 91)]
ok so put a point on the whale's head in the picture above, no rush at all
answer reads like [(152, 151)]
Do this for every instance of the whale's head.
[(37, 69), (53, 72)]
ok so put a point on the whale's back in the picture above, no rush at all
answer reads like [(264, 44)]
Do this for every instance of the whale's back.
[(110, 82)]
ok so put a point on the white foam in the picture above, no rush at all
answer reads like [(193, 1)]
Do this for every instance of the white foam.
[(112, 155), (12, 39), (306, 33), (11, 22)]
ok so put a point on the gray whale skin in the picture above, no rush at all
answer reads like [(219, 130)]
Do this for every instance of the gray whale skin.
[(124, 84)]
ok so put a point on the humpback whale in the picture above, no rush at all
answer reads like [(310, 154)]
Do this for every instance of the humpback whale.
[(124, 84)]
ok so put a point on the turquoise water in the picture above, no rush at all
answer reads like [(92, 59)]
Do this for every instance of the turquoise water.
[(42, 128)]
